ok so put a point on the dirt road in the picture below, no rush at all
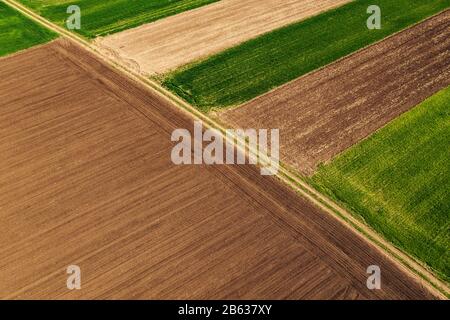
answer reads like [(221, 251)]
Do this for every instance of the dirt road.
[(86, 179), (169, 43), (323, 113)]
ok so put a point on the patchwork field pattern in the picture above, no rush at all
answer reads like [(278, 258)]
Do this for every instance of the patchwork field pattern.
[(259, 65), (169, 43), (18, 32), (101, 17), (327, 111), (397, 180), (86, 179)]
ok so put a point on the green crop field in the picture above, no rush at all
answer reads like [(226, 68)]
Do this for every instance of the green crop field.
[(18, 32), (397, 180), (255, 67), (101, 17)]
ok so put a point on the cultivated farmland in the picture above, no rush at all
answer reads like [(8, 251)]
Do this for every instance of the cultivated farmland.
[(169, 43), (259, 65), (325, 112), (18, 32), (86, 178), (101, 17), (398, 181)]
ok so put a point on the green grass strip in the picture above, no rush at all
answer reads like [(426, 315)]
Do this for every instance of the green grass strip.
[(17, 32), (397, 180), (103, 17), (259, 65)]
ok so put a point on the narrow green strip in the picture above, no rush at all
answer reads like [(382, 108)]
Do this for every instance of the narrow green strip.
[(103, 17), (259, 65)]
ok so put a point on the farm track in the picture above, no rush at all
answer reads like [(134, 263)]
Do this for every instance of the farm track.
[(167, 44), (86, 179), (376, 84)]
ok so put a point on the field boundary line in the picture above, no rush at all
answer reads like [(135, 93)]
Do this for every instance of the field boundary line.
[(418, 272)]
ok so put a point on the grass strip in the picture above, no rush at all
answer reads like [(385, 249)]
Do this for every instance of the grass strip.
[(261, 64), (100, 17)]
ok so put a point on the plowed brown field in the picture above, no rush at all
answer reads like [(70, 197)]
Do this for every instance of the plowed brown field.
[(166, 44), (325, 112), (86, 179)]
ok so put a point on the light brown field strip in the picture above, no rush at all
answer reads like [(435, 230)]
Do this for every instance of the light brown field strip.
[(325, 112), (86, 179), (169, 43)]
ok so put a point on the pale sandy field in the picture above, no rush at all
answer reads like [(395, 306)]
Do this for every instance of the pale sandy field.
[(169, 43)]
